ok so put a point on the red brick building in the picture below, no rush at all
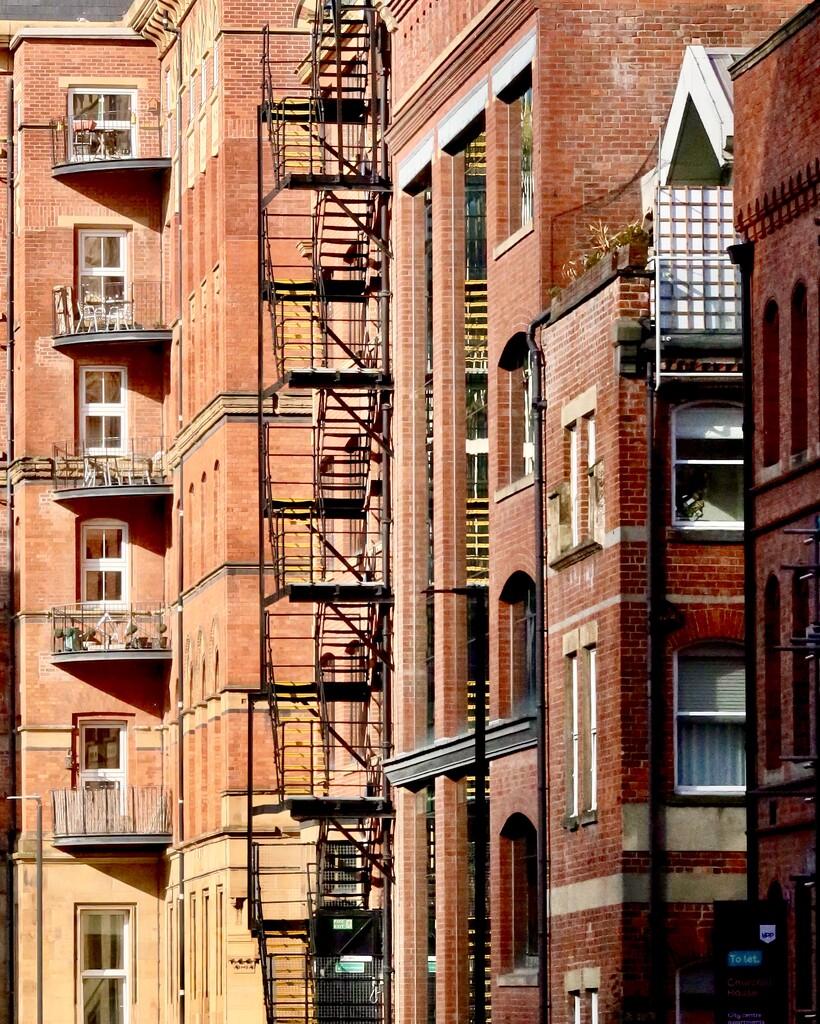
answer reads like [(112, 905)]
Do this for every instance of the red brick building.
[(514, 128), (281, 518), (775, 200)]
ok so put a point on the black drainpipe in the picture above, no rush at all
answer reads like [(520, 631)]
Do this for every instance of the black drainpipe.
[(742, 256), (12, 673), (541, 696)]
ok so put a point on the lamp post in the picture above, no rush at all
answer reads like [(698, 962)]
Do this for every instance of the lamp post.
[(39, 890)]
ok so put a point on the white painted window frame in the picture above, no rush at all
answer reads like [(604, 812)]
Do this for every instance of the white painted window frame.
[(105, 564), (111, 409), (117, 775), (127, 970), (104, 90)]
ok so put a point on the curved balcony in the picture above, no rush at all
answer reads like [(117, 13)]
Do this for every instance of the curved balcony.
[(115, 817), (83, 146), (138, 470), (137, 317), (92, 631)]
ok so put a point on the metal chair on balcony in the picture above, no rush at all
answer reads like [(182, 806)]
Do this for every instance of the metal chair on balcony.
[(119, 316), (92, 318)]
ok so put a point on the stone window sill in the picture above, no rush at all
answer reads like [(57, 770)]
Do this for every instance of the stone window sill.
[(513, 240), (513, 488), (573, 555), (520, 977)]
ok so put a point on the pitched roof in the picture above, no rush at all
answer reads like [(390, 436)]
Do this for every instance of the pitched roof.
[(701, 125)]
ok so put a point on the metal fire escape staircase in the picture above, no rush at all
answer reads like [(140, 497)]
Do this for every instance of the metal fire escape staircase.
[(325, 499)]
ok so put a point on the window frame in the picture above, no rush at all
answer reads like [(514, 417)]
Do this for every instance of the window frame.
[(519, 108), (105, 564), (715, 648), (130, 125), (103, 409), (102, 273), (592, 712), (701, 524), (126, 973), (116, 775)]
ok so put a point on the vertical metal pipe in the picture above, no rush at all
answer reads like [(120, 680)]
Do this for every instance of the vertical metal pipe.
[(742, 256), (39, 862), (260, 469), (541, 680), (10, 455)]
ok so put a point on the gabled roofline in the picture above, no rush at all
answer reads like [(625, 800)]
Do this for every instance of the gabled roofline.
[(699, 83), (99, 31)]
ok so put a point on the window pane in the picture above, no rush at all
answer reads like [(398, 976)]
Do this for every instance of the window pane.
[(101, 747), (86, 105), (713, 422), (709, 493), (117, 106), (711, 754), (91, 290), (93, 543), (112, 248), (92, 251), (113, 288), (103, 941), (93, 586), (113, 586), (113, 432), (94, 431), (93, 386), (113, 387), (712, 449), (711, 684), (103, 1000), (113, 543)]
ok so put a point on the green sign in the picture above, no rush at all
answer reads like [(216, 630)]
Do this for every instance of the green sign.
[(342, 924)]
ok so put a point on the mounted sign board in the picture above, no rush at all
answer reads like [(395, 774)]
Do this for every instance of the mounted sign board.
[(751, 953)]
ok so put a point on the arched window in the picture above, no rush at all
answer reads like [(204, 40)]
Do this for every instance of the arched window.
[(519, 851), (696, 994), (801, 686), (771, 385), (517, 627), (516, 397), (707, 483), (772, 682), (798, 393), (710, 712)]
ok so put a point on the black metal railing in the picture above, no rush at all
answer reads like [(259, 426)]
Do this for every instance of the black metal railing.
[(138, 462), (96, 627), (76, 140), (138, 307), (114, 811)]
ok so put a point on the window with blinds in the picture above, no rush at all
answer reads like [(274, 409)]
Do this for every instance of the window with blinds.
[(711, 715)]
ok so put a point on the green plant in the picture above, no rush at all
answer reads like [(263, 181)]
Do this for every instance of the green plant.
[(603, 240), (162, 628), (59, 634), (131, 628)]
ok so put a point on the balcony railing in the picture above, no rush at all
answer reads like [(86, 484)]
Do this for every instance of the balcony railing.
[(95, 629), (88, 141), (141, 462), (131, 811), (139, 308)]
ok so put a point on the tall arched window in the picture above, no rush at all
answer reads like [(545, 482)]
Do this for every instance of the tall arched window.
[(798, 393), (520, 853), (771, 384), (517, 627), (772, 682), (516, 460), (710, 712), (801, 686)]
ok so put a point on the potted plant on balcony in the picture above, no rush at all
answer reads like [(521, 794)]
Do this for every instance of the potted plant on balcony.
[(71, 639), (90, 636), (162, 640), (130, 630)]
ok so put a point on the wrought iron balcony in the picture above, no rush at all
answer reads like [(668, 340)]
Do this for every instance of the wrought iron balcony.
[(133, 313), (109, 630), (115, 816), (138, 468), (83, 144)]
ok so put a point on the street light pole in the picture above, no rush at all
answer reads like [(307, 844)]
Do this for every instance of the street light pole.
[(39, 892)]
